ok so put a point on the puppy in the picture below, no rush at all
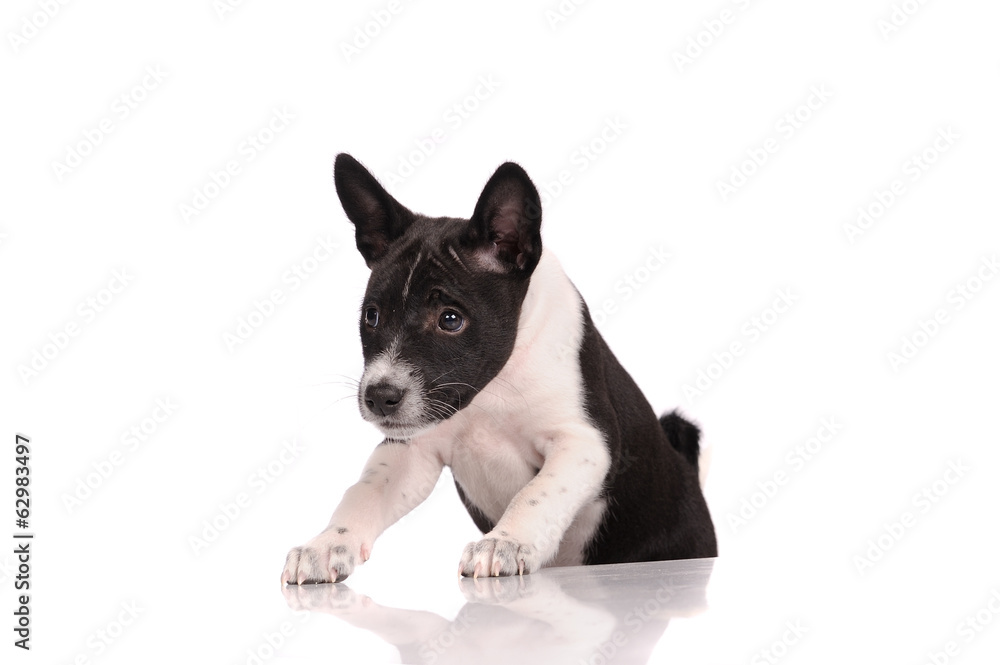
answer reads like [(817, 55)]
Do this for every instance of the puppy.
[(480, 355)]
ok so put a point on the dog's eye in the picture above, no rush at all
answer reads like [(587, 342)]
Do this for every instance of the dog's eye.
[(371, 317), (451, 321)]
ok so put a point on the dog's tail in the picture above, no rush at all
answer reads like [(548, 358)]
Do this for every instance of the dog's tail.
[(684, 436)]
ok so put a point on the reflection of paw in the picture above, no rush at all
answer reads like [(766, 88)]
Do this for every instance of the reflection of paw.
[(336, 599), (494, 590), (329, 557), (493, 557)]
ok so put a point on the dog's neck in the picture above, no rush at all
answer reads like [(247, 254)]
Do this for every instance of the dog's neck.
[(549, 327)]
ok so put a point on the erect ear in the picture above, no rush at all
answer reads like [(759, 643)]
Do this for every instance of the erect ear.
[(378, 218), (506, 223)]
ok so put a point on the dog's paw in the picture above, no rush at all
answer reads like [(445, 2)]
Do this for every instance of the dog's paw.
[(495, 557), (329, 557)]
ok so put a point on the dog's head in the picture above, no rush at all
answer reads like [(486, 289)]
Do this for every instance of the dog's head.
[(441, 311)]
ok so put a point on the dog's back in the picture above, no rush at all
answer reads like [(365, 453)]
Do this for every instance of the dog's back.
[(657, 510)]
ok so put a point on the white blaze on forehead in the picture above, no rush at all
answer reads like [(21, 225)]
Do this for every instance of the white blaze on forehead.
[(454, 255), (409, 278)]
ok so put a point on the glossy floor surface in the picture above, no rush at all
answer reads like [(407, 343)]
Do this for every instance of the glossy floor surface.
[(597, 614)]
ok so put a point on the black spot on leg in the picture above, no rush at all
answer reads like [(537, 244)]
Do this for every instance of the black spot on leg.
[(340, 549), (504, 534), (382, 464), (532, 502), (341, 529)]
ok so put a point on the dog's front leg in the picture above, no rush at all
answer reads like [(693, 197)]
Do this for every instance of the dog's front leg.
[(531, 529), (396, 479)]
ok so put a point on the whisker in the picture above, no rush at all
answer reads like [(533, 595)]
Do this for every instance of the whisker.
[(343, 380), (449, 371), (337, 401), (487, 392), (481, 408)]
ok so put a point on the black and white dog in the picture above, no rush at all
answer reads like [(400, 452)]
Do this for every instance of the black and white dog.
[(480, 355)]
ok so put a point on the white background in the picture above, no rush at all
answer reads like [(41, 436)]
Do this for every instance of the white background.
[(684, 127)]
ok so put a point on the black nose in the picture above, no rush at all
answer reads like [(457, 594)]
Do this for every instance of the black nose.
[(383, 399)]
